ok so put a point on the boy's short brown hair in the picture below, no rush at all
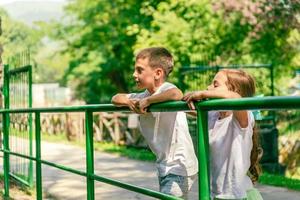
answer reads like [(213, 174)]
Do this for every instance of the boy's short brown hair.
[(158, 57)]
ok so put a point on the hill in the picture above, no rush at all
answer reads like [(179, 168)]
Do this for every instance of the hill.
[(32, 11)]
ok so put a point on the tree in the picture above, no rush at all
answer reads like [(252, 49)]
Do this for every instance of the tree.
[(103, 36), (223, 32), (100, 40), (17, 37), (268, 25)]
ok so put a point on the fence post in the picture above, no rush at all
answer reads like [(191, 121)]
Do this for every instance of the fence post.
[(6, 154), (6, 131), (30, 125), (203, 154), (89, 155), (272, 79), (181, 80), (39, 193), (6, 87)]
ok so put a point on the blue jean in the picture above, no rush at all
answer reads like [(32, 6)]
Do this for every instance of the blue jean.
[(176, 185)]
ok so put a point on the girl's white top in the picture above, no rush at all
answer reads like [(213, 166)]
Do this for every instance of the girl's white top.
[(230, 150), (167, 134)]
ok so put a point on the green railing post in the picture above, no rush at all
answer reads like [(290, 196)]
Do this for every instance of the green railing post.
[(181, 80), (272, 79), (6, 154), (6, 87), (89, 155), (272, 113), (30, 169), (203, 154), (39, 193), (6, 131)]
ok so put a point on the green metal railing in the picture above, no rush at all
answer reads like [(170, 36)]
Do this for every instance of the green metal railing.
[(17, 91), (272, 103), (203, 75)]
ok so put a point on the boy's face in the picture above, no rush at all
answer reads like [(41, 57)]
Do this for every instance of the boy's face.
[(144, 75)]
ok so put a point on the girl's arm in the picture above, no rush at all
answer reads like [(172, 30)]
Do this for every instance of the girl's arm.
[(240, 115)]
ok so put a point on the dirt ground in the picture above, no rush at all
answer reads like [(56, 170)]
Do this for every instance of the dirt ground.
[(18, 193)]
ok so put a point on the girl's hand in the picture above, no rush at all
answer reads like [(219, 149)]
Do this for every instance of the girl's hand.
[(193, 96)]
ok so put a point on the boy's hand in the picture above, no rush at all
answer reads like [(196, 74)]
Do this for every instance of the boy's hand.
[(143, 104), (133, 105)]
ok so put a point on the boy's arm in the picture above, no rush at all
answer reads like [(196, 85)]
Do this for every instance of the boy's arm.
[(171, 94), (240, 115), (122, 99)]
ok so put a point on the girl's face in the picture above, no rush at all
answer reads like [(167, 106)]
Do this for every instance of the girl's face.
[(219, 82)]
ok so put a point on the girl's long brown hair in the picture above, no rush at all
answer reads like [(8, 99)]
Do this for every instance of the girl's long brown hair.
[(244, 84)]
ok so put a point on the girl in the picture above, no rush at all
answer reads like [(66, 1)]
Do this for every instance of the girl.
[(234, 150)]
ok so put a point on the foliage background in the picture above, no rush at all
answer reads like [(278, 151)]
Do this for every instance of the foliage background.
[(92, 49)]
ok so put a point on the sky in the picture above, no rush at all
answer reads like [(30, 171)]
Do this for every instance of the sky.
[(3, 2)]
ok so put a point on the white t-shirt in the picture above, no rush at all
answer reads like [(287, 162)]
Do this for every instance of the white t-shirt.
[(230, 150), (168, 136)]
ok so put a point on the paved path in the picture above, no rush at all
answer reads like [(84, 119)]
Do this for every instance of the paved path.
[(67, 186)]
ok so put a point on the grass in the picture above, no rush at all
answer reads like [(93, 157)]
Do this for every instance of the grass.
[(280, 181), (130, 152), (17, 191)]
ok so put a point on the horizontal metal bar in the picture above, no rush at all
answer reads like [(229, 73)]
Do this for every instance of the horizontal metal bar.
[(200, 68), (264, 103), (19, 179), (93, 108), (18, 154), (187, 70), (25, 68), (64, 168), (100, 178), (113, 182), (81, 173), (253, 103), (134, 188), (268, 65)]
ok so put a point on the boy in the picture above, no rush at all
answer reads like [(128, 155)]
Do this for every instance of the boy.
[(166, 133)]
